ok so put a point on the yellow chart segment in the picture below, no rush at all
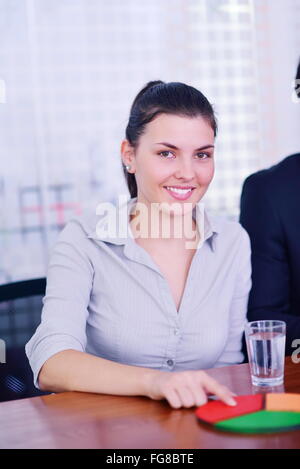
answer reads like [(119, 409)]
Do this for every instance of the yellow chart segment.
[(283, 402)]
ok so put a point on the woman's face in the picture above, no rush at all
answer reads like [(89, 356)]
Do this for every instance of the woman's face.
[(174, 152)]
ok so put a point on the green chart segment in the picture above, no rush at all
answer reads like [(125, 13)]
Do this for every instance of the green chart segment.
[(259, 413), (264, 421)]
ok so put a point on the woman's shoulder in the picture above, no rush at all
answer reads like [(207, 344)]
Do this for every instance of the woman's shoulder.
[(79, 226), (228, 229)]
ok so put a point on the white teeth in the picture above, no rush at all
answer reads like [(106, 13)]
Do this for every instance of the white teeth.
[(179, 191)]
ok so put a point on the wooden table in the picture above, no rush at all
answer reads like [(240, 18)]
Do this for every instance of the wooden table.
[(83, 420)]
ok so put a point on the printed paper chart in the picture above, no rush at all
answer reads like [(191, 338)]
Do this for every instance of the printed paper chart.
[(258, 413)]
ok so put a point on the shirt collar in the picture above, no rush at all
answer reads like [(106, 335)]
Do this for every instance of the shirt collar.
[(117, 230)]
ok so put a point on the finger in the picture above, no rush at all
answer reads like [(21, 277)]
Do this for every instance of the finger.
[(231, 392), (214, 397), (195, 389), (222, 392), (225, 395), (173, 398), (186, 396), (200, 396)]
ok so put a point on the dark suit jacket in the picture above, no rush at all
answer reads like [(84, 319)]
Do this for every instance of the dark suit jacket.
[(270, 212)]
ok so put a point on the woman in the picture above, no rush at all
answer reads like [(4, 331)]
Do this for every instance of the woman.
[(145, 314)]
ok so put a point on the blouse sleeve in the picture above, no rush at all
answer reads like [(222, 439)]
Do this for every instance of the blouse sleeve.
[(232, 354), (65, 304)]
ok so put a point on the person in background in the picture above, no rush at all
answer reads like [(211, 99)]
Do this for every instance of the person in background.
[(146, 315), (270, 212)]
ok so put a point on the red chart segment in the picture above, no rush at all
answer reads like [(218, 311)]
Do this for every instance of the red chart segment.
[(214, 411)]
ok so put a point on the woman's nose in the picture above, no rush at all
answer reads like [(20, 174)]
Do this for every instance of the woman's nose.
[(185, 169)]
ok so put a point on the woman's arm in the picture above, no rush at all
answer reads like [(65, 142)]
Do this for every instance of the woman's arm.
[(57, 349), (72, 370)]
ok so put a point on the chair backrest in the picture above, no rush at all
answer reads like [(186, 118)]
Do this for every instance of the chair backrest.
[(23, 289), (20, 314)]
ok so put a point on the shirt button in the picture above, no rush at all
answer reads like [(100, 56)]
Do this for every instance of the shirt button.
[(176, 331), (170, 362)]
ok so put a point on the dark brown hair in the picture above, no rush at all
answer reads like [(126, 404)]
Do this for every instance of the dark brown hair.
[(156, 98)]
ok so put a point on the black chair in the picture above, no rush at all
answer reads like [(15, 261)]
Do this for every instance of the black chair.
[(20, 314)]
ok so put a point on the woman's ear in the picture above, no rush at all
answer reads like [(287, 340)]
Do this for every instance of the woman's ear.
[(127, 152)]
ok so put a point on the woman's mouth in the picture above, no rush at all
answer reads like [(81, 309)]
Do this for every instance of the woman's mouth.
[(179, 193)]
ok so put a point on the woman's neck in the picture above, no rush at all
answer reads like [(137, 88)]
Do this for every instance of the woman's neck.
[(160, 227)]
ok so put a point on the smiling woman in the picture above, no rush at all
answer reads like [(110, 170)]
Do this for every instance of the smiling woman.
[(160, 104), (145, 315), (169, 148), (183, 173)]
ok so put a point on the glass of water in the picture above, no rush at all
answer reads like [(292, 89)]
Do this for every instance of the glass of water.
[(266, 351)]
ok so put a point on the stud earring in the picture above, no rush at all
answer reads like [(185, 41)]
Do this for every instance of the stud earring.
[(128, 167)]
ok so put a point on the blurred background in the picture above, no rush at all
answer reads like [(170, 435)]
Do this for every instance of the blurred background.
[(69, 71)]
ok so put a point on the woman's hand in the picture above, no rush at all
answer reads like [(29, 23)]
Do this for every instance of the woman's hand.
[(186, 388)]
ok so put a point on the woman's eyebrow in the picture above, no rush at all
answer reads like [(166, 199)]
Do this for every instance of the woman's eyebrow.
[(204, 147)]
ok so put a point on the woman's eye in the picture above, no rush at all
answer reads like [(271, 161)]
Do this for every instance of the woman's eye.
[(203, 156), (162, 153)]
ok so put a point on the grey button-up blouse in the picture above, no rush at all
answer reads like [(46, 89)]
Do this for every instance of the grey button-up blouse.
[(106, 296)]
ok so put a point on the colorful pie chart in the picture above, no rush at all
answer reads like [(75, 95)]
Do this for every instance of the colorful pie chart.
[(255, 413)]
